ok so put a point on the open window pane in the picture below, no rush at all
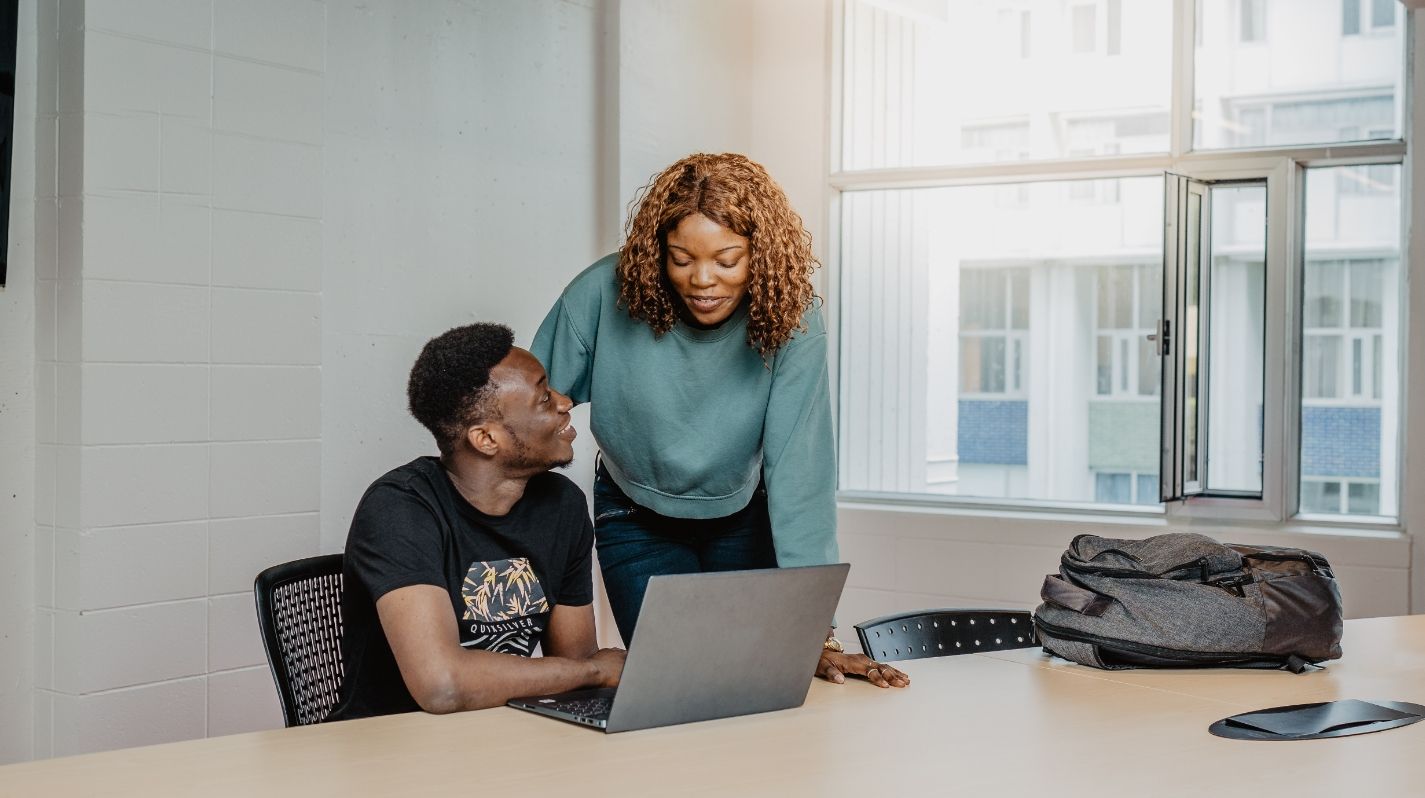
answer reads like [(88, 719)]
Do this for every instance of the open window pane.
[(1237, 338), (1283, 73), (1215, 322), (930, 82), (1350, 341), (975, 358)]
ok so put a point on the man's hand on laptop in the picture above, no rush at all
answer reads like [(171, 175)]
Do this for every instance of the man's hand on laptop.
[(608, 663), (836, 666)]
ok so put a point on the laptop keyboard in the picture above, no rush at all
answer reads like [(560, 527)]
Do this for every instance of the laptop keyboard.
[(587, 707)]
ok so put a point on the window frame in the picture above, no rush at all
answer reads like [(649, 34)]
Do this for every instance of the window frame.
[(1365, 19), (1282, 167)]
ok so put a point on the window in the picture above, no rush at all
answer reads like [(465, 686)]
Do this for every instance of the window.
[(1097, 28), (1266, 91), (1015, 324), (1342, 337), (899, 110), (995, 141), (1253, 20), (1368, 16), (994, 317), (977, 327), (1127, 303), (1350, 17), (1367, 180), (1340, 497), (1125, 488), (1350, 341), (1085, 28), (1383, 13)]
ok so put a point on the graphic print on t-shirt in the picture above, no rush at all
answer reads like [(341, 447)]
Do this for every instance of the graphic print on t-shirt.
[(504, 602)]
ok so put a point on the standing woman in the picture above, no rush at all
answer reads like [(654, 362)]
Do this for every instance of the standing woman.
[(702, 346)]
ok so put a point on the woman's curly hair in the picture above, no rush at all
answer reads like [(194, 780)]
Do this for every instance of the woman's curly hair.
[(738, 194)]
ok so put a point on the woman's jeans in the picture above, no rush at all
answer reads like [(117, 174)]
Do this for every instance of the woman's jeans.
[(636, 543)]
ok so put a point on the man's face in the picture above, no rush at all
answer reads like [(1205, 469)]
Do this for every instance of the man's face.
[(535, 417)]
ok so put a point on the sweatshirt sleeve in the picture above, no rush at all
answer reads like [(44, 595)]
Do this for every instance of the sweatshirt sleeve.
[(566, 353), (799, 453)]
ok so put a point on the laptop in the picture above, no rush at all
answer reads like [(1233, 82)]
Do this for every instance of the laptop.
[(713, 645)]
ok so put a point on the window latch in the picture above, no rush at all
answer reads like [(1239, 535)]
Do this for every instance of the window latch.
[(1163, 337)]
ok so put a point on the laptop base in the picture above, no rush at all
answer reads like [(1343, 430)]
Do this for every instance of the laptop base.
[(583, 707)]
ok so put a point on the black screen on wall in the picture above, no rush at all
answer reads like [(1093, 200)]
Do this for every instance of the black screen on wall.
[(9, 22)]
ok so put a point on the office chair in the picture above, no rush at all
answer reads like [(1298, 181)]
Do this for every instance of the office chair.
[(299, 613), (940, 633)]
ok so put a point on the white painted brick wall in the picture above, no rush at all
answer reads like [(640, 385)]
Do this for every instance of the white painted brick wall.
[(268, 478), (242, 700), (111, 567), (187, 22), (103, 650), (145, 238), (258, 250), (271, 327), (239, 548), (126, 485), (143, 403), (178, 360), (267, 176), (130, 76), (267, 101), (252, 403), (174, 328), (146, 715), (233, 640), (287, 32)]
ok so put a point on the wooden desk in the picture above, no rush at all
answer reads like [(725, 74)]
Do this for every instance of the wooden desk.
[(1011, 723)]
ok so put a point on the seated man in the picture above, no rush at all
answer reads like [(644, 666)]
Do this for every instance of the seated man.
[(456, 566)]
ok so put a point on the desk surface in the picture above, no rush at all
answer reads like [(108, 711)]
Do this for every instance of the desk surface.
[(1006, 723)]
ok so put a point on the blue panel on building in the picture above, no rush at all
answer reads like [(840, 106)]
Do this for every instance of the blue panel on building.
[(1340, 441), (994, 432)]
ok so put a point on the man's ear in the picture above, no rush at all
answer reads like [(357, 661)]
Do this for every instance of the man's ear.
[(482, 438)]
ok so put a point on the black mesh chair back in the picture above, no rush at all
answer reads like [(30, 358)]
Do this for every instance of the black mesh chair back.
[(299, 611), (940, 633)]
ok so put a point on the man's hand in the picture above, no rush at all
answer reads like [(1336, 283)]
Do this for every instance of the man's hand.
[(609, 664), (835, 667)]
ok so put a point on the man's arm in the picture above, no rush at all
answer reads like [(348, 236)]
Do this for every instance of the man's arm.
[(444, 677), (571, 632)]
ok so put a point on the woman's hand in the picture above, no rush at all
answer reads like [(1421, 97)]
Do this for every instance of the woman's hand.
[(835, 667)]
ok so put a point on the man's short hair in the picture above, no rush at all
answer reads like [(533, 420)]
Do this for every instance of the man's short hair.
[(450, 388)]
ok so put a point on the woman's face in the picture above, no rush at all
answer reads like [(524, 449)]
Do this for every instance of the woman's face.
[(707, 265)]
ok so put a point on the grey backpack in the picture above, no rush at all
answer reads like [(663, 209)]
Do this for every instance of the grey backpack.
[(1185, 600)]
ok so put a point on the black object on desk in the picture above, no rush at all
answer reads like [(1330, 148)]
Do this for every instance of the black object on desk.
[(1319, 721)]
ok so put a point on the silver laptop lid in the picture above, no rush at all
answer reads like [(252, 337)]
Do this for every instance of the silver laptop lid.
[(716, 645)]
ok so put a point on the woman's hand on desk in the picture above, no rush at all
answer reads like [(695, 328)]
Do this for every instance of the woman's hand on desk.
[(835, 667)]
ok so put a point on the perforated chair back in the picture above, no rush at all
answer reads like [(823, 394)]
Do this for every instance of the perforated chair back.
[(940, 633), (299, 611)]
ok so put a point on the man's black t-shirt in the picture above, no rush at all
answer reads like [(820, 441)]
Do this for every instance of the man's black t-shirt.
[(504, 574)]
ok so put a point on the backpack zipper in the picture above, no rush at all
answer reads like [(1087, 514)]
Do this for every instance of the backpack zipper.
[(1200, 563), (1313, 561), (1222, 658)]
